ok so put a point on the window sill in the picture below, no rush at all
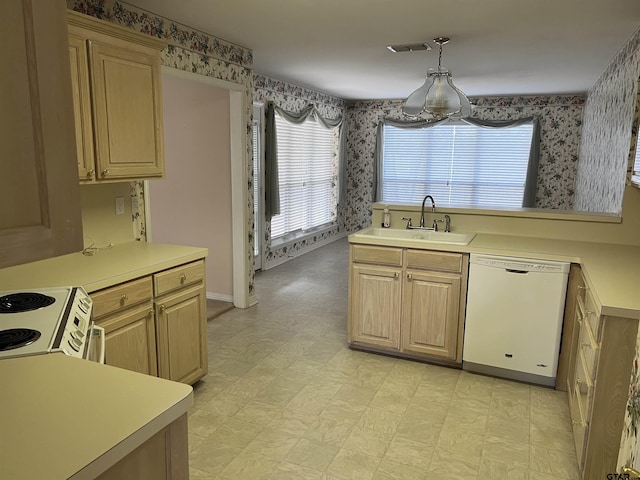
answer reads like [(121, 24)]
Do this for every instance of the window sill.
[(291, 238)]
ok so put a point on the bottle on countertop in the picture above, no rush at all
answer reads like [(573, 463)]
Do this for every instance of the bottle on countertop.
[(386, 217)]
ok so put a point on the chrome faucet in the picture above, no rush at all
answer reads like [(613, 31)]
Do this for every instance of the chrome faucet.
[(446, 221), (433, 209)]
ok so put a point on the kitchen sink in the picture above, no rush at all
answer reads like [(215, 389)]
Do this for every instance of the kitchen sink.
[(388, 235)]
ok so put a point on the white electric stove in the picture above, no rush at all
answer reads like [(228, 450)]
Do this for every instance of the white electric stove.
[(48, 320)]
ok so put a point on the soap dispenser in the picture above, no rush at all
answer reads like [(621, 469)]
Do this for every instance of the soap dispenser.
[(386, 217)]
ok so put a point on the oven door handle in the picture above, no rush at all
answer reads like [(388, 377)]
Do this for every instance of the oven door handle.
[(99, 332)]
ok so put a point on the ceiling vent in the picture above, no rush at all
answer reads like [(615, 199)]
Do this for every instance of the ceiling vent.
[(412, 47)]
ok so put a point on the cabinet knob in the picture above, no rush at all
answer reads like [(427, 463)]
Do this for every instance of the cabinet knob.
[(150, 311), (123, 299), (183, 278), (91, 173), (105, 173), (409, 277), (162, 308)]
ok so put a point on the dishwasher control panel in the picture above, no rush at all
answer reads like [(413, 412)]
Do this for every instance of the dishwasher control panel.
[(520, 264)]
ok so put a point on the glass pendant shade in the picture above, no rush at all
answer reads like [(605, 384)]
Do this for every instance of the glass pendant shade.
[(438, 97)]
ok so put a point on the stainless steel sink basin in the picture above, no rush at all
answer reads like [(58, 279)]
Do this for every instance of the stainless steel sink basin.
[(389, 235)]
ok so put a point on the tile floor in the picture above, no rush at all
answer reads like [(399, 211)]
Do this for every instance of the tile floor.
[(286, 399)]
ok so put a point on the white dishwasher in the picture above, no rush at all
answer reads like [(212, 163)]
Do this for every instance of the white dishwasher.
[(514, 317)]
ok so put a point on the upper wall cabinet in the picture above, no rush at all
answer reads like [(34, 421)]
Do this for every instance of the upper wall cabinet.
[(116, 83), (39, 193)]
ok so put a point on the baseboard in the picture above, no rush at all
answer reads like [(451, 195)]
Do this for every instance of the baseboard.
[(219, 296), (266, 265)]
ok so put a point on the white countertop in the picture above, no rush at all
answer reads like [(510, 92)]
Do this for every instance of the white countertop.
[(105, 268), (63, 417), (612, 271)]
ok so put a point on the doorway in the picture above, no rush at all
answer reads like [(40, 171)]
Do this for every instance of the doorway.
[(203, 199)]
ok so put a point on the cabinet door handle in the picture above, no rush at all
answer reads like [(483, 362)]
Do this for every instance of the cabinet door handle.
[(409, 277), (151, 311), (91, 173), (631, 472), (162, 308), (123, 299), (105, 173), (183, 278)]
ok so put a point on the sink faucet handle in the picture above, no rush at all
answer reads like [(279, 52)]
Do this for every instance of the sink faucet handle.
[(408, 219), (447, 224)]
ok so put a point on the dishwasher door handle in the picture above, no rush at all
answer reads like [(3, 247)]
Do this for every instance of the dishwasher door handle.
[(521, 272)]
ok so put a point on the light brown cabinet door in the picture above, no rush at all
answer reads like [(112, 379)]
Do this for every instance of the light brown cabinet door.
[(375, 306), (130, 340), (127, 112), (39, 193), (181, 335), (82, 107), (430, 314)]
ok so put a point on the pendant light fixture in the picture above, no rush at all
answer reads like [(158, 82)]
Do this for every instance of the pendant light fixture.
[(438, 96)]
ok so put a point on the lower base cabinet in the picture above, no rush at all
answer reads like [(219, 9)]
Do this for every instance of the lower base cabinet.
[(408, 302), (602, 349), (182, 346), (164, 456), (130, 340), (157, 324)]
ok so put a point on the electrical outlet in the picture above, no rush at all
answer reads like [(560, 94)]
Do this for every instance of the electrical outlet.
[(119, 205)]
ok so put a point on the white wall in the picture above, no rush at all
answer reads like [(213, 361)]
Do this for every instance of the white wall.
[(192, 205)]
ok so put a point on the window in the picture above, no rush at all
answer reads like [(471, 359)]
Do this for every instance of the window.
[(307, 176), (258, 189), (635, 173), (457, 163)]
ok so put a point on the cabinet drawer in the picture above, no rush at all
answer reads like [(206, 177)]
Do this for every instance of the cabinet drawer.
[(441, 261), (583, 386), (592, 313), (589, 348), (579, 427), (175, 278), (377, 255), (121, 296)]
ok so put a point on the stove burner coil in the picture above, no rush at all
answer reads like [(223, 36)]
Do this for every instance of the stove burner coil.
[(17, 337), (24, 302)]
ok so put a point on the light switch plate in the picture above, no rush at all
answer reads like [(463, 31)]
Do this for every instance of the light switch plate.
[(119, 205)]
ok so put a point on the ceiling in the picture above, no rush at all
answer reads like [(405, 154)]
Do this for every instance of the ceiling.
[(497, 47)]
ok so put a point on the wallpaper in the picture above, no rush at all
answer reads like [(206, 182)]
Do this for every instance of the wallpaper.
[(606, 140), (193, 51), (606, 135), (294, 98), (560, 121)]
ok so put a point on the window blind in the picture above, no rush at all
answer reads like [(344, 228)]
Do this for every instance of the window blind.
[(635, 175), (458, 164), (307, 174), (256, 183)]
